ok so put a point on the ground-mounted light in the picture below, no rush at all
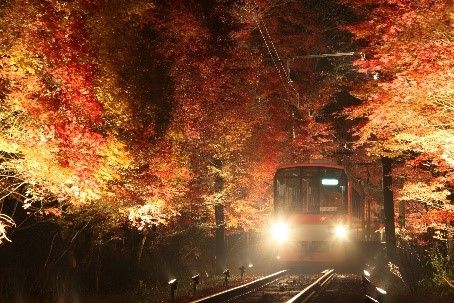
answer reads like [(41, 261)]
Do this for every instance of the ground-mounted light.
[(226, 274), (381, 293), (173, 287), (195, 281), (250, 265), (173, 283), (280, 232), (365, 278), (242, 270)]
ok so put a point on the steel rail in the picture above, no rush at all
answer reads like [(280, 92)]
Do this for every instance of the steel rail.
[(231, 293), (369, 299), (311, 289)]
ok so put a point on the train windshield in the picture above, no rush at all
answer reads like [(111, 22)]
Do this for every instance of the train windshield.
[(310, 190)]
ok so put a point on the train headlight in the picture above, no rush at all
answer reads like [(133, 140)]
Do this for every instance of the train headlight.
[(341, 231), (280, 232)]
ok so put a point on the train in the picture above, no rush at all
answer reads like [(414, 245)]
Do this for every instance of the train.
[(319, 213)]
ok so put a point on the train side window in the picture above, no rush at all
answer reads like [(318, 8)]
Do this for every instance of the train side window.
[(356, 205), (310, 190)]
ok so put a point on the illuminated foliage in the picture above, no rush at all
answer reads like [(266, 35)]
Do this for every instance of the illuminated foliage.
[(119, 109), (408, 99), (60, 137), (5, 222)]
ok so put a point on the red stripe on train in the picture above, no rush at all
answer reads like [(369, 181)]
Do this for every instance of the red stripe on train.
[(310, 218)]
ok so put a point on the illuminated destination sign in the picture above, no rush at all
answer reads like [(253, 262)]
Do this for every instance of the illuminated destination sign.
[(331, 208), (330, 181)]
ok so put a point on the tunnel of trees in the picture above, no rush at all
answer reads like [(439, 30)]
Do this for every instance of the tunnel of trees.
[(120, 118)]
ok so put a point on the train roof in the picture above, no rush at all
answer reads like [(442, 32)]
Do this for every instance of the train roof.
[(313, 164), (327, 164)]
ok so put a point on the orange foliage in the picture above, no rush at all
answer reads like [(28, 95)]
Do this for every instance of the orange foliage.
[(408, 101), (124, 106)]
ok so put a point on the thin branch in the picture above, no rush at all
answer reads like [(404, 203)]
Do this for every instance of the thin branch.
[(451, 284), (71, 242), (12, 191), (50, 249)]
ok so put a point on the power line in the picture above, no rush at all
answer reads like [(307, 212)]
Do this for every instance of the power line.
[(276, 59), (279, 72), (272, 44), (286, 73)]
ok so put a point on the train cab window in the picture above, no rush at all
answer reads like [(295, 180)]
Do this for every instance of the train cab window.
[(333, 195), (288, 190), (310, 190), (357, 205)]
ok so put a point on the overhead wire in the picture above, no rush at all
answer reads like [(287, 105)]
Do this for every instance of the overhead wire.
[(279, 72), (286, 81), (285, 70), (274, 48), (282, 72)]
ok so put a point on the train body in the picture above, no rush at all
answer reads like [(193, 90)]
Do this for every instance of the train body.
[(319, 213)]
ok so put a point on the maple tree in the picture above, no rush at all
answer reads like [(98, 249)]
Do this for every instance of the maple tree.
[(62, 125), (407, 99), (87, 127), (214, 79), (49, 109), (231, 103), (124, 115)]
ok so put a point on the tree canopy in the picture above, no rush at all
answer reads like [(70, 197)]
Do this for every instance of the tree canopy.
[(125, 107), (407, 98)]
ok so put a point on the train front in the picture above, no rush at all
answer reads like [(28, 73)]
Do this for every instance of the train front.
[(311, 213)]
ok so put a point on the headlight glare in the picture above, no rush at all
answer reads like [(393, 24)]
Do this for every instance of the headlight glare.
[(280, 232), (340, 231)]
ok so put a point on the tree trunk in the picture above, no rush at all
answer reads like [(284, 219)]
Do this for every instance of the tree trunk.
[(388, 204), (142, 245), (98, 269), (220, 223)]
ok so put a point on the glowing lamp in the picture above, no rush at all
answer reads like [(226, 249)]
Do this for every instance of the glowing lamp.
[(173, 283), (381, 294), (195, 281), (365, 278), (381, 291), (226, 274), (242, 270), (173, 286)]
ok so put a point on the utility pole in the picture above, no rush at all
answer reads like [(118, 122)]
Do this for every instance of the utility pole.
[(388, 205), (219, 218)]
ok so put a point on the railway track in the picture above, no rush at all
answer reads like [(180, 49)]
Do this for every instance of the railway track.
[(341, 288), (282, 286), (313, 288)]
